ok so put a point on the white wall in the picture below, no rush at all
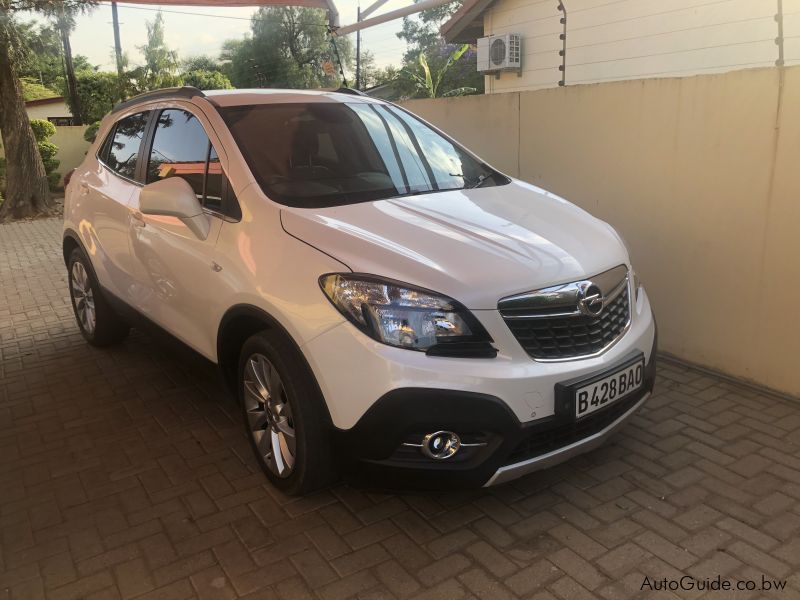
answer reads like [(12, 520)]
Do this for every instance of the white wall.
[(630, 39), (700, 176), (71, 147)]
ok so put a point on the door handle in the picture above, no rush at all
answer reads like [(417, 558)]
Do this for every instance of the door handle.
[(84, 187), (138, 219)]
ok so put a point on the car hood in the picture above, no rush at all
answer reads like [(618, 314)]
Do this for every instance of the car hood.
[(476, 246)]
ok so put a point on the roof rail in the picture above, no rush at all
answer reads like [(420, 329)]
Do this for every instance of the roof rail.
[(347, 90), (186, 91)]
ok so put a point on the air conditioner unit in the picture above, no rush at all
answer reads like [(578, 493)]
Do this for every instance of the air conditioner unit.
[(500, 53)]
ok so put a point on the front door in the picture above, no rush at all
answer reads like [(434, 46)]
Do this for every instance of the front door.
[(179, 270)]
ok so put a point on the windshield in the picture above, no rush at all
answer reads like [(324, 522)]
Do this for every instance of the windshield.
[(315, 155)]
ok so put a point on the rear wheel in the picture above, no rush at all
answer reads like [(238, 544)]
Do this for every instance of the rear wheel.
[(283, 416), (98, 322)]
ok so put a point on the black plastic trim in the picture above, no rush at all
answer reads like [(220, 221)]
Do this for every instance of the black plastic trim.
[(350, 91), (185, 93)]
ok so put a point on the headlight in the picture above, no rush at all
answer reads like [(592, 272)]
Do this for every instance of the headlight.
[(405, 316)]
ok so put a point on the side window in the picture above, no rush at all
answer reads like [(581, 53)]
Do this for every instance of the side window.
[(181, 148), (123, 150)]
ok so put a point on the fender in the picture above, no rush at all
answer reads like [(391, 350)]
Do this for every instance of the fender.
[(240, 322)]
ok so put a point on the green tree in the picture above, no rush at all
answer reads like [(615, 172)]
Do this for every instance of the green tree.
[(41, 61), (99, 91), (429, 83), (160, 67), (27, 191), (200, 62), (288, 48), (421, 34), (33, 90), (63, 15), (207, 80)]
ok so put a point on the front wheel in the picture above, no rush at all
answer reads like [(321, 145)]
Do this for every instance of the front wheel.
[(284, 416)]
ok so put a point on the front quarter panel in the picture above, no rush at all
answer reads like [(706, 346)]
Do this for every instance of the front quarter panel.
[(263, 266)]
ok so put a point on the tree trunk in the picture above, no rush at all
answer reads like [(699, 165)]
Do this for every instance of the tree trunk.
[(72, 84), (27, 192)]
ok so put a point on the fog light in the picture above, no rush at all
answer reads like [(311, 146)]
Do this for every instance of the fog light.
[(440, 445)]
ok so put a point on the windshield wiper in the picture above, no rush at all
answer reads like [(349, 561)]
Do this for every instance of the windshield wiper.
[(478, 182)]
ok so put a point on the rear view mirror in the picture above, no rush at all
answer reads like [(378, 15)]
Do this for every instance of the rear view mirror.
[(174, 197)]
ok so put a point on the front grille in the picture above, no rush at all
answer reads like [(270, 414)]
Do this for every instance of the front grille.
[(547, 438), (549, 325)]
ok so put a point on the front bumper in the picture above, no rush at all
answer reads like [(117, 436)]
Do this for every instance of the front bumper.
[(504, 448)]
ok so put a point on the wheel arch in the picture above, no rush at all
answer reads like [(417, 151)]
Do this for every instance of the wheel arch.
[(72, 241), (240, 322), (69, 243)]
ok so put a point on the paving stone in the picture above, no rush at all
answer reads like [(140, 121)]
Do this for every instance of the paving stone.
[(144, 486)]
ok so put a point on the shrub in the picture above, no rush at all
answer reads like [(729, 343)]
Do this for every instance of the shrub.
[(91, 132), (42, 130)]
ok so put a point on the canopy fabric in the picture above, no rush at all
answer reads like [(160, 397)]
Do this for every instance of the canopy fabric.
[(228, 3), (333, 14)]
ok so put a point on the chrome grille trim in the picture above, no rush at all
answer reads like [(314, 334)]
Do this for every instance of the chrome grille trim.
[(557, 330), (574, 313)]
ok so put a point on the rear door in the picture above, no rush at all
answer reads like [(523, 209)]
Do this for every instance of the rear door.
[(108, 193), (179, 271)]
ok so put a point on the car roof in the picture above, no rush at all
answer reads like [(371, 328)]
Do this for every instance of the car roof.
[(240, 97), (246, 97)]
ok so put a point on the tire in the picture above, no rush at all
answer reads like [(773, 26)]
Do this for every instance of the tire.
[(291, 440), (98, 322)]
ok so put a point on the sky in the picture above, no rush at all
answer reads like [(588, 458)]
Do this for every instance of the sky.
[(204, 33)]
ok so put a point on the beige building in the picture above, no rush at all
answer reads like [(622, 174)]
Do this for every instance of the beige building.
[(608, 40), (54, 110)]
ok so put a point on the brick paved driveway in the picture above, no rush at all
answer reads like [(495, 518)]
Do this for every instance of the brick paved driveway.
[(125, 474)]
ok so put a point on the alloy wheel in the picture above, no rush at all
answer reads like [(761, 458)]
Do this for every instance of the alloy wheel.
[(269, 415), (83, 296)]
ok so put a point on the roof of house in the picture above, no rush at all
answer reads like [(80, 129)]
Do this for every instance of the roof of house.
[(466, 24), (42, 101)]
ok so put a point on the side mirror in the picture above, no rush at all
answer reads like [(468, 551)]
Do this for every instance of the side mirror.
[(174, 197)]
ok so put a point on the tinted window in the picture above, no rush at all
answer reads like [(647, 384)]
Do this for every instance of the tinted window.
[(326, 154), (180, 149), (124, 148)]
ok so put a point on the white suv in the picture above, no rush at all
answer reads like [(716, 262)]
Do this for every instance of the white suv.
[(381, 301)]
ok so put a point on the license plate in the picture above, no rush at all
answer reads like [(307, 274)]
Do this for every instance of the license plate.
[(618, 384)]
